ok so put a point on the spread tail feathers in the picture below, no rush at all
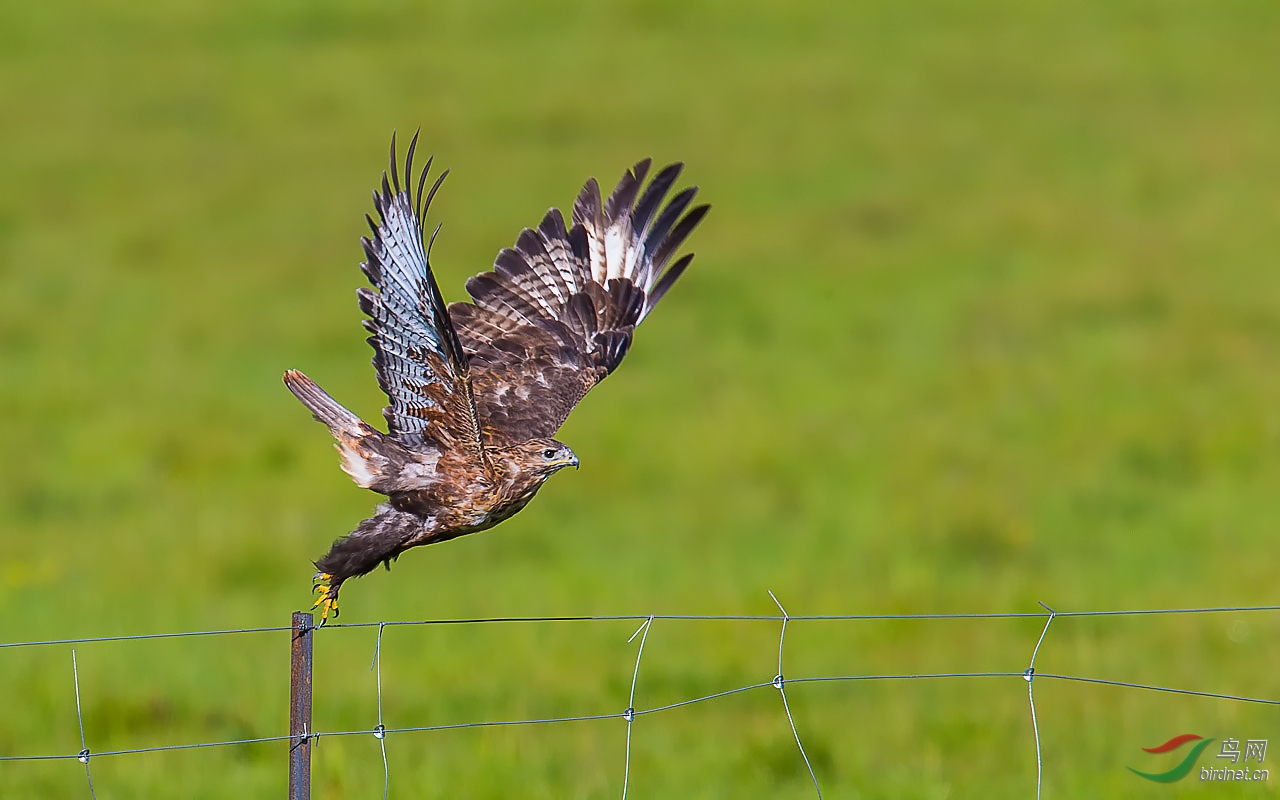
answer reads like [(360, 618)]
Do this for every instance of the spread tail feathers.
[(372, 459), (322, 406), (358, 444)]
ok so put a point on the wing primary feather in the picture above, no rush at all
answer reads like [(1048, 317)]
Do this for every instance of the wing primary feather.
[(555, 239), (666, 281), (588, 212), (395, 179), (668, 218), (641, 169), (510, 262), (552, 226), (422, 182), (587, 201), (652, 197), (435, 187), (530, 243), (598, 207), (677, 236), (621, 198), (580, 246), (432, 242), (408, 160)]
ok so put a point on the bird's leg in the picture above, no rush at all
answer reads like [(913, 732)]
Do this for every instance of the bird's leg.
[(377, 540), (327, 601)]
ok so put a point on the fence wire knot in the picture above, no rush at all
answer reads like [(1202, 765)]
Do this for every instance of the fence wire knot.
[(778, 682), (84, 756), (302, 738), (380, 732)]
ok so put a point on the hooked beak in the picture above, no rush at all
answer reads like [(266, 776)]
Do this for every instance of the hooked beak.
[(569, 461)]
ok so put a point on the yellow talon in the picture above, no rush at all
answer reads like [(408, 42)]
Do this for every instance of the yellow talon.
[(327, 600), (326, 605)]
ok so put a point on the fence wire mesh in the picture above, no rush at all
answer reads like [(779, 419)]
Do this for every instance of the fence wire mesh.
[(779, 682)]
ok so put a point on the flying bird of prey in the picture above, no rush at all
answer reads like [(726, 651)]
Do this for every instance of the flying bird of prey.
[(477, 390)]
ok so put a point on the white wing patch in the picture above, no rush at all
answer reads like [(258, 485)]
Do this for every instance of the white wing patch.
[(355, 464), (404, 470), (616, 241)]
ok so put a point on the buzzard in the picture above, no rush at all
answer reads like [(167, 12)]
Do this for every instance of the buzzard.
[(477, 390)]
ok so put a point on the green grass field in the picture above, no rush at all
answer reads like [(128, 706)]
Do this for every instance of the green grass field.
[(987, 312)]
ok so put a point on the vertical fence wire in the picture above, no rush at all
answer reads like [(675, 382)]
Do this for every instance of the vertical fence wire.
[(780, 684), (84, 748), (380, 732), (630, 714), (1030, 675)]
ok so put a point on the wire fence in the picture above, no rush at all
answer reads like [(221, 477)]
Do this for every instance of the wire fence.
[(301, 735)]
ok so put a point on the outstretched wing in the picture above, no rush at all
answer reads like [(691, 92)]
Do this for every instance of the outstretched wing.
[(557, 313), (419, 360)]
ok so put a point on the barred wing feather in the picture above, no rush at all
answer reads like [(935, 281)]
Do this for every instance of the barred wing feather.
[(419, 360), (558, 311)]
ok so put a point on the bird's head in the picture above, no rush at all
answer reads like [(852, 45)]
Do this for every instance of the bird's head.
[(548, 456), (538, 457)]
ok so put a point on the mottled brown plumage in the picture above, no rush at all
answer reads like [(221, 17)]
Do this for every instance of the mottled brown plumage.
[(477, 390)]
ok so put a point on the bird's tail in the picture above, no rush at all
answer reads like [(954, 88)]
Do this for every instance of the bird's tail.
[(364, 450), (323, 407)]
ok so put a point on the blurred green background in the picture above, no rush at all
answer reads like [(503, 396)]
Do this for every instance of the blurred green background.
[(987, 312)]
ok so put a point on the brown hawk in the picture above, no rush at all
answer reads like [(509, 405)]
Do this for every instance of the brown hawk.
[(477, 390)]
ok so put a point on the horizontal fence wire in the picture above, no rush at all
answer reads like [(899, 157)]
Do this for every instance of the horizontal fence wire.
[(778, 683), (643, 617)]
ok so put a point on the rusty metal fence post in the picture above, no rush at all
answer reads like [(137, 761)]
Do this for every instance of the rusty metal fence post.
[(300, 707)]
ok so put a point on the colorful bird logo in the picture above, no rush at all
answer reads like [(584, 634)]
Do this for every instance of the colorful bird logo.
[(1179, 772)]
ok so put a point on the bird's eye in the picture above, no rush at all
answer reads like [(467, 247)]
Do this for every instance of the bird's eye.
[(549, 453)]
